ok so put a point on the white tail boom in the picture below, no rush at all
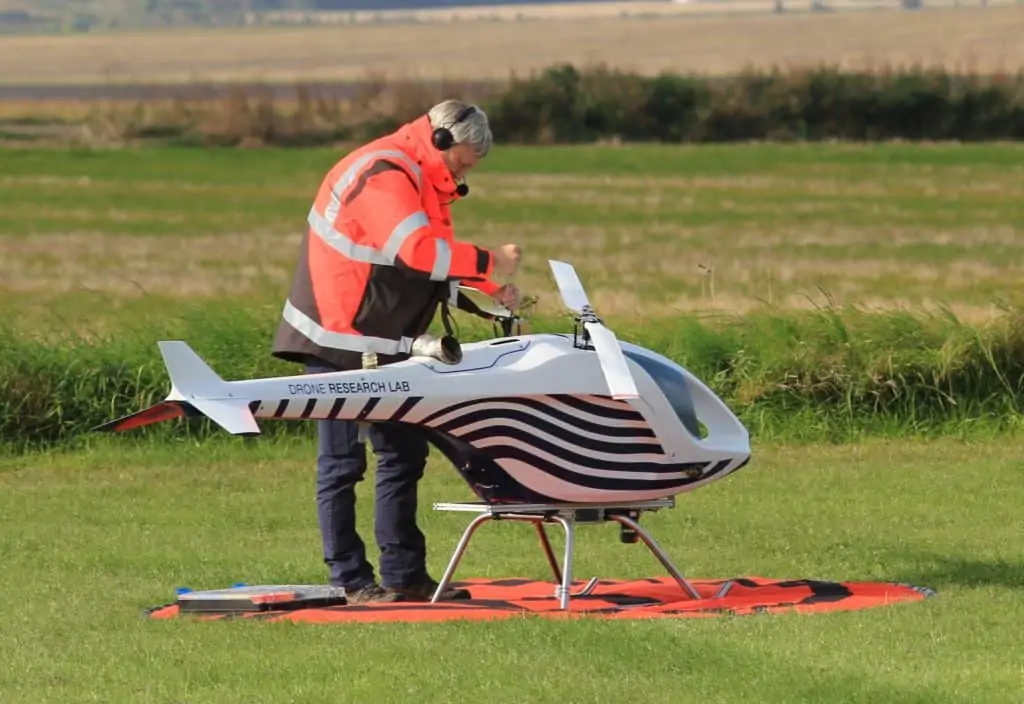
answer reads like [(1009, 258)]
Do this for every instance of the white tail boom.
[(195, 390)]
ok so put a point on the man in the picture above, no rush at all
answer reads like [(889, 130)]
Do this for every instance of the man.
[(378, 258)]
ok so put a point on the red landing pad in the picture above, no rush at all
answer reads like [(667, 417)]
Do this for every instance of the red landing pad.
[(645, 598)]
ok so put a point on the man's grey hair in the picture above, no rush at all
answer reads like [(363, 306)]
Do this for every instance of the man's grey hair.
[(474, 130)]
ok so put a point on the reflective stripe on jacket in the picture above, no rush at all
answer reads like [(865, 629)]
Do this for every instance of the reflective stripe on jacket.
[(378, 256)]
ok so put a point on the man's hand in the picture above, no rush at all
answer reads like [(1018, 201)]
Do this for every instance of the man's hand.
[(506, 260), (508, 296)]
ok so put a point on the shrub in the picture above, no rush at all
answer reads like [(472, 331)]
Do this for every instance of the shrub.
[(567, 104)]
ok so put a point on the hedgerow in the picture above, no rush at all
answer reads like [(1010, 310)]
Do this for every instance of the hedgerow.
[(567, 104)]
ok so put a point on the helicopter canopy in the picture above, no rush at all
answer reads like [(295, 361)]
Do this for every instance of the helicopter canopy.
[(671, 380)]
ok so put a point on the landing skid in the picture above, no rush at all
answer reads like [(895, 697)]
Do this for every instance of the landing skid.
[(568, 516)]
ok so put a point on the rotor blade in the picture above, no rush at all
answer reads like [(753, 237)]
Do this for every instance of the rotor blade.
[(613, 361), (569, 285)]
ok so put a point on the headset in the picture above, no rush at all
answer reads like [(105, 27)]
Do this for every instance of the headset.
[(443, 140)]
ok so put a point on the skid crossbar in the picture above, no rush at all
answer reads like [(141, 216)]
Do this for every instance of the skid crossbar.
[(568, 516)]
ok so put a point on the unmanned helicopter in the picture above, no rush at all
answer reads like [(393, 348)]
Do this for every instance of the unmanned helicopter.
[(578, 417)]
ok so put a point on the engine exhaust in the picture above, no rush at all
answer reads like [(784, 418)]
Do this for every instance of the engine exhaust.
[(445, 349)]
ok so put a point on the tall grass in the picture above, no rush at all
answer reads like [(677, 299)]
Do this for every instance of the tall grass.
[(825, 374)]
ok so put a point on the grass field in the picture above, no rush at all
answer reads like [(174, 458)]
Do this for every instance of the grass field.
[(92, 539), (128, 243), (967, 38)]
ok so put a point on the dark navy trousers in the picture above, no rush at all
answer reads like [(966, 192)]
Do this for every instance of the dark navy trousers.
[(401, 452)]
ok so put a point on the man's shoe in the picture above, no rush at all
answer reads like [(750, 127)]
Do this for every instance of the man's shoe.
[(424, 591), (372, 594)]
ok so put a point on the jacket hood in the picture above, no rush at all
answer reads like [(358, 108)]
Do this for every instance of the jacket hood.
[(415, 139)]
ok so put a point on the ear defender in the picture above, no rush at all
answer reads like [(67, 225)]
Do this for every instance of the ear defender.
[(442, 138)]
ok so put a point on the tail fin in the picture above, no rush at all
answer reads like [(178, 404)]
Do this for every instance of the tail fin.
[(195, 390), (190, 375)]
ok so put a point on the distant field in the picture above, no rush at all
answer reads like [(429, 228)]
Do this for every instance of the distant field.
[(653, 230), (960, 39), (556, 10)]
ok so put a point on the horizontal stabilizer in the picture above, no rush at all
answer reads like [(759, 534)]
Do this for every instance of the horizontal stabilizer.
[(234, 416)]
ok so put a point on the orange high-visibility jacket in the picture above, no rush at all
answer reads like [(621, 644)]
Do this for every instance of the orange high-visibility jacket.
[(379, 255)]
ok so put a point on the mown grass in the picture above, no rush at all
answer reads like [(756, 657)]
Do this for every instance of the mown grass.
[(651, 229), (93, 538)]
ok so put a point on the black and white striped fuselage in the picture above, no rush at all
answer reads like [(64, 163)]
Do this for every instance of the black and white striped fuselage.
[(550, 447)]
